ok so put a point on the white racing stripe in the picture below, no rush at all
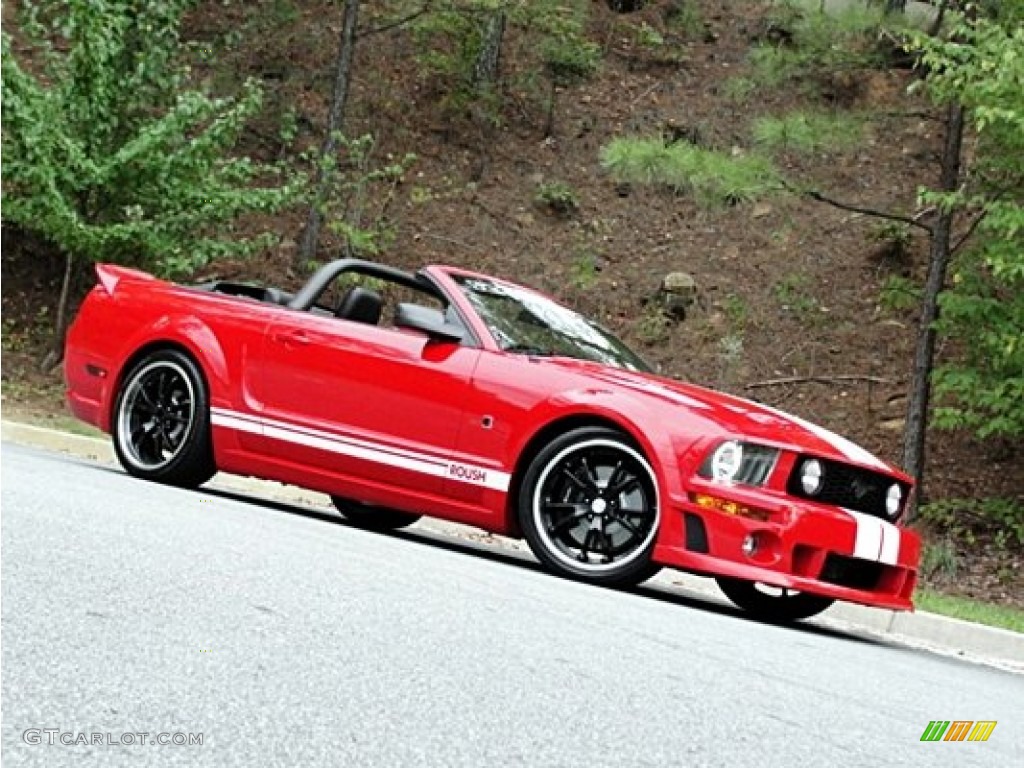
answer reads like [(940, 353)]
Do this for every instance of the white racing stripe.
[(877, 540), (848, 448), (365, 450)]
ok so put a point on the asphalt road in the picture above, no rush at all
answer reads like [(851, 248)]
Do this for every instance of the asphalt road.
[(287, 638)]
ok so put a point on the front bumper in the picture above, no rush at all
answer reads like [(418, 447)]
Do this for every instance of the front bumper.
[(800, 545)]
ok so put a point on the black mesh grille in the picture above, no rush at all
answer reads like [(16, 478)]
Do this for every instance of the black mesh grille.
[(846, 486), (851, 572)]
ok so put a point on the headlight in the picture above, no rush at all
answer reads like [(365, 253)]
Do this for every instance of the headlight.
[(737, 462), (726, 461), (812, 476), (893, 500)]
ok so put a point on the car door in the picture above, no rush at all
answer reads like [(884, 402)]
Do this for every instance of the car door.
[(361, 403)]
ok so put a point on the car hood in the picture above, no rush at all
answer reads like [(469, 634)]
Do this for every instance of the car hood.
[(732, 416)]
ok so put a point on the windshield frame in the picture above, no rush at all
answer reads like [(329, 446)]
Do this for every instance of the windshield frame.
[(617, 353)]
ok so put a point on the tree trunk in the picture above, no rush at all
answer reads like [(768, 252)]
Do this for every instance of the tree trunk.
[(60, 323), (339, 97), (485, 69), (485, 79), (938, 263)]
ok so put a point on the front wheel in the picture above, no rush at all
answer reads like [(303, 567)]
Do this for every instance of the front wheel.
[(775, 604), (373, 518), (588, 507), (161, 425)]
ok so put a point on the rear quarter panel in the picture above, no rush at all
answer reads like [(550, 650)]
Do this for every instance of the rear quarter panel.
[(114, 329)]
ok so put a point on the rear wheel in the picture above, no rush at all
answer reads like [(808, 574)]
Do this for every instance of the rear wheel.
[(373, 518), (588, 507), (769, 603), (161, 425)]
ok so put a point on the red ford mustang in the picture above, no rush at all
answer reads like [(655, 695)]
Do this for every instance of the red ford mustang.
[(477, 400)]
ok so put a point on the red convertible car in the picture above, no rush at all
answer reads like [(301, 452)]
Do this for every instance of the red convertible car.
[(473, 399)]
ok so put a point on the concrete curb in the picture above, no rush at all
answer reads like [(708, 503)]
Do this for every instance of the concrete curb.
[(975, 642)]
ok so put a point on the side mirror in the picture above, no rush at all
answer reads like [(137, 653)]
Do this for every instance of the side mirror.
[(428, 321)]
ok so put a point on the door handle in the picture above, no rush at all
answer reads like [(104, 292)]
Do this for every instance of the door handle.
[(291, 338)]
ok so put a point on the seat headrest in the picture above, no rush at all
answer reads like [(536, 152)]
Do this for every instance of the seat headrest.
[(360, 305)]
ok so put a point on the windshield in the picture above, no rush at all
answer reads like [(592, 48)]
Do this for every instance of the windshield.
[(526, 322)]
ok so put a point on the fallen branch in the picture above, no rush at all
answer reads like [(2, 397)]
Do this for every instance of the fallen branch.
[(912, 221), (817, 380)]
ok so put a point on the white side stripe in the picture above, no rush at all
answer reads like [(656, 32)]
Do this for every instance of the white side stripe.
[(365, 450), (877, 540), (848, 448)]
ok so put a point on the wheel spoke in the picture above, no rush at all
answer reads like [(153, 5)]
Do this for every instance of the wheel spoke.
[(150, 444), (607, 545), (147, 401), (592, 480), (621, 520), (623, 486), (614, 476), (161, 385), (585, 546), (567, 522), (140, 431), (572, 476)]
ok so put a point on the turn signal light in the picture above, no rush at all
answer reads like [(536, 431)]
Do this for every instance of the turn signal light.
[(726, 507)]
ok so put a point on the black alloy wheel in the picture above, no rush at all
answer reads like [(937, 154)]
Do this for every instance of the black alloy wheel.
[(161, 425), (588, 507), (373, 518), (773, 604)]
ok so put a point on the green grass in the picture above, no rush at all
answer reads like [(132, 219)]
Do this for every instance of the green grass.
[(970, 610), (713, 178), (809, 132)]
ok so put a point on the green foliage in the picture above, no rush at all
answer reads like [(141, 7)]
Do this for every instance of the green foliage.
[(648, 36), (583, 270), (981, 65), (450, 36), (736, 312), (939, 560), (713, 178), (900, 294), (359, 192), (793, 292), (684, 17), (558, 197), (658, 48), (821, 43), (738, 88), (894, 237), (966, 518), (654, 325), (108, 154), (808, 132)]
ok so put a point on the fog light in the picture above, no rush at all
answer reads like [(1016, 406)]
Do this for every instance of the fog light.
[(811, 476), (893, 500), (749, 545)]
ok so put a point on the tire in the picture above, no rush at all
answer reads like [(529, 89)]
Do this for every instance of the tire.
[(373, 518), (161, 424), (784, 607), (573, 519)]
